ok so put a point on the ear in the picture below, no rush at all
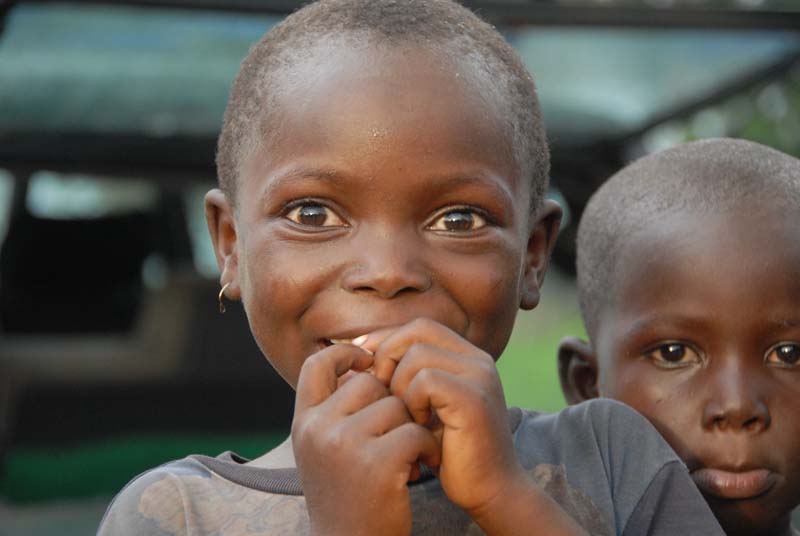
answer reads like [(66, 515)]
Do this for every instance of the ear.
[(222, 228), (577, 370), (541, 239)]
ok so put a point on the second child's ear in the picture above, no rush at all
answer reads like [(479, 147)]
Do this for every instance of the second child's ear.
[(541, 239), (577, 370), (222, 228)]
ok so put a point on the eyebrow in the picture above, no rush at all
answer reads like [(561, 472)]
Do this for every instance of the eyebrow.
[(660, 321), (443, 182)]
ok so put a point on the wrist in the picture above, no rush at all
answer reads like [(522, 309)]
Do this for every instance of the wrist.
[(521, 506)]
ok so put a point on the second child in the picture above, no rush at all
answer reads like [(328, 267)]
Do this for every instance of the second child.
[(689, 283)]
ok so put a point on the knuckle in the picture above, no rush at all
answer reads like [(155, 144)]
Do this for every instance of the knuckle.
[(336, 439), (416, 350), (426, 375), (486, 370)]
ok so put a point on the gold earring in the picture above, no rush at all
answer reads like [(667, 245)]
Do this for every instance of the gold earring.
[(222, 295)]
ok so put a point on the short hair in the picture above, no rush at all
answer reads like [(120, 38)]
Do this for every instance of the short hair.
[(709, 176), (437, 25)]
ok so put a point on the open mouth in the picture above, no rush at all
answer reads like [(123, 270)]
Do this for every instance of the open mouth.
[(734, 484)]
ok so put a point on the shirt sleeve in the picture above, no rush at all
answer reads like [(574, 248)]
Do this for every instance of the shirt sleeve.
[(150, 504), (672, 505)]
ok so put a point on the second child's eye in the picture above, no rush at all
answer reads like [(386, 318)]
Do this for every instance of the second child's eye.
[(785, 354), (314, 215), (673, 355), (458, 221)]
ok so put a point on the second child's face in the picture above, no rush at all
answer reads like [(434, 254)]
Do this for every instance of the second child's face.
[(703, 338), (389, 194)]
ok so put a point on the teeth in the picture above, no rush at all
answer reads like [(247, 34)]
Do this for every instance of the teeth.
[(341, 341)]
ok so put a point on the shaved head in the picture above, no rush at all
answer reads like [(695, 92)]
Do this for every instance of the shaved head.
[(702, 177), (443, 27)]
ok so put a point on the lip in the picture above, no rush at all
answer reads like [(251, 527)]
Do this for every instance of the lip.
[(350, 334), (734, 484)]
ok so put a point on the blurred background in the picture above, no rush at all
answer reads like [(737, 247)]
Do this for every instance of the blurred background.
[(113, 355)]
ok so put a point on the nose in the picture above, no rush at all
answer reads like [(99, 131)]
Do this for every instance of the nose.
[(736, 404), (386, 265)]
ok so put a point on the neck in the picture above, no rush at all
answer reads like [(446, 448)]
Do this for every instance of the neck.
[(280, 457)]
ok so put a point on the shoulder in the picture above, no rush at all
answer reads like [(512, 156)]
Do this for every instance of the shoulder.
[(606, 427), (152, 503), (186, 496), (606, 451)]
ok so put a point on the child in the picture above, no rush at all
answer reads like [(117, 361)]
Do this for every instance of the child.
[(689, 280), (381, 218)]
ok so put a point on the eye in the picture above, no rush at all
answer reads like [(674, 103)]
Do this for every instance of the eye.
[(785, 354), (313, 214), (458, 221), (673, 355)]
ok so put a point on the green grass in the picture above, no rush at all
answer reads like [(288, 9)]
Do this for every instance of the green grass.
[(528, 366)]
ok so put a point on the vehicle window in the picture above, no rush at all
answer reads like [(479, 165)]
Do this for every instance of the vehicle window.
[(63, 197), (596, 82), (115, 69), (768, 114)]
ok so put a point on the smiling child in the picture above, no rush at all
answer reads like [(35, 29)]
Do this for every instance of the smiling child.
[(689, 281), (381, 217)]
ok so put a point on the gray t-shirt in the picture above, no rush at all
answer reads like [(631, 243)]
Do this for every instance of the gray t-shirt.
[(600, 460)]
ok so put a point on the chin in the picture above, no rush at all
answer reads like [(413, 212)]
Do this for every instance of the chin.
[(750, 517)]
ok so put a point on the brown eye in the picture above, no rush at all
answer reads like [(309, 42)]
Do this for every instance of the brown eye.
[(314, 215), (461, 220), (784, 355), (673, 354)]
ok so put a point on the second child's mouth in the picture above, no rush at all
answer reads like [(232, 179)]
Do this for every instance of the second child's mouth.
[(737, 485)]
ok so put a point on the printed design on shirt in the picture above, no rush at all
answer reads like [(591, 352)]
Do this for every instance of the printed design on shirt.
[(553, 480), (193, 504)]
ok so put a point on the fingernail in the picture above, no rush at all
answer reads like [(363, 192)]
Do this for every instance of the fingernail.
[(358, 341)]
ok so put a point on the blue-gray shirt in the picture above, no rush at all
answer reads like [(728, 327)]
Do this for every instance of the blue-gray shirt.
[(601, 461)]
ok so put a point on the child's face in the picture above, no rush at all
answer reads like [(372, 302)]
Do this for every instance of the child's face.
[(389, 193), (703, 338)]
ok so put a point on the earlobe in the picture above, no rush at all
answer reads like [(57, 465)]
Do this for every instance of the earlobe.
[(222, 229), (577, 370), (541, 239)]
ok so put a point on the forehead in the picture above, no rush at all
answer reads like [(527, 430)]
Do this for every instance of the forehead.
[(728, 264), (357, 103)]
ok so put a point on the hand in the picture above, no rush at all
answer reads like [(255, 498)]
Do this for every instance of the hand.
[(453, 388), (356, 446)]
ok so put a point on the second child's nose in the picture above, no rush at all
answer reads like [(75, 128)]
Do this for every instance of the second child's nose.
[(735, 404), (387, 266)]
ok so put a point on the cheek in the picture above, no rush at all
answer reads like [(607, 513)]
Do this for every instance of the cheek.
[(278, 284), (488, 290), (665, 398)]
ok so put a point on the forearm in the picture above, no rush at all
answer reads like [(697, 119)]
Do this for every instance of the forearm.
[(522, 507)]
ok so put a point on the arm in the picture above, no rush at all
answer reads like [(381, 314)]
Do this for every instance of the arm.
[(355, 447), (453, 388)]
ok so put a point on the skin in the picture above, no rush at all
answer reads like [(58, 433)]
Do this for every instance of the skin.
[(388, 195), (703, 338)]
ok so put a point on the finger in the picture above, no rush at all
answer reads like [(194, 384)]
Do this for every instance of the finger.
[(344, 378), (450, 397), (392, 349), (411, 442), (320, 373), (381, 416), (425, 356), (356, 394), (370, 341)]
